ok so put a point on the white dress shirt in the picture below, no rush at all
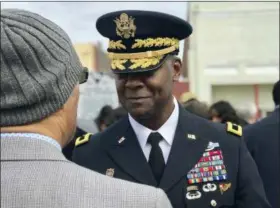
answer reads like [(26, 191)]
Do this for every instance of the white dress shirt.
[(167, 131)]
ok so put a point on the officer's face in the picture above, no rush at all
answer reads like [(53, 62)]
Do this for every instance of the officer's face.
[(146, 93)]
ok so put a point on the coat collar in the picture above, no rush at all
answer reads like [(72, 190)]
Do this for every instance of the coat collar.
[(20, 148)]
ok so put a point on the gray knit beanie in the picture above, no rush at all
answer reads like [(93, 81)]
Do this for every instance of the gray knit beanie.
[(39, 67)]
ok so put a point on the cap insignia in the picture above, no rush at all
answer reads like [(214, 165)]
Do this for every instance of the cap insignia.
[(125, 26)]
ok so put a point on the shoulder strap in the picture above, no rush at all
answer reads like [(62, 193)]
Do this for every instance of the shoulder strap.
[(83, 139), (234, 129)]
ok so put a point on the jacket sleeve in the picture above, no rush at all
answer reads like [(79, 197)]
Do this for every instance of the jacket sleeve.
[(162, 200), (75, 157), (250, 191)]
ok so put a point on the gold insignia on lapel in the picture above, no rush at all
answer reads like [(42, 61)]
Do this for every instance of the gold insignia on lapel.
[(191, 136), (125, 26), (234, 129), (110, 172), (224, 187), (121, 140), (83, 139)]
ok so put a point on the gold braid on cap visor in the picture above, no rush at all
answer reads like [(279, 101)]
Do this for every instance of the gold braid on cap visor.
[(142, 59)]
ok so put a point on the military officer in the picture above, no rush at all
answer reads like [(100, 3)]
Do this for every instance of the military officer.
[(196, 162)]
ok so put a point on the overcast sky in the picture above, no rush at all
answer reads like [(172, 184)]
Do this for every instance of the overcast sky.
[(78, 18)]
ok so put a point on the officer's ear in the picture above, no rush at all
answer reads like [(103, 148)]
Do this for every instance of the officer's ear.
[(176, 65)]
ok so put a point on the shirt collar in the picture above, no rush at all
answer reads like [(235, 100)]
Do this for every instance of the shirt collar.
[(167, 130), (32, 136)]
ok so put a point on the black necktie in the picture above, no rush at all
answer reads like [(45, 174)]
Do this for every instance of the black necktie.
[(156, 159)]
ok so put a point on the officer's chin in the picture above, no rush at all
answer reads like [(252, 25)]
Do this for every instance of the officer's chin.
[(141, 113)]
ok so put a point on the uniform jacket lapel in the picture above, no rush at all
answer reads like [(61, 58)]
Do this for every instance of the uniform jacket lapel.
[(127, 153), (187, 148)]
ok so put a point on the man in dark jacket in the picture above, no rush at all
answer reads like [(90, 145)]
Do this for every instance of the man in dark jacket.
[(196, 162), (263, 142)]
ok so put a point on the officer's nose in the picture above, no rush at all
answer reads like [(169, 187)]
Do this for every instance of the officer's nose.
[(133, 81)]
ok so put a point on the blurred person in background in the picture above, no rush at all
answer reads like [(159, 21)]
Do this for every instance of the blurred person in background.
[(223, 111), (186, 97), (198, 108), (109, 116), (40, 77), (263, 140), (120, 113), (190, 102), (105, 118), (248, 113), (159, 143)]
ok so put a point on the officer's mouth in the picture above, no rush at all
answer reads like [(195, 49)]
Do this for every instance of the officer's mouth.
[(137, 99)]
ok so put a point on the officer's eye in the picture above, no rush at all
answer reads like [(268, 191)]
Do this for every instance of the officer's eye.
[(121, 76)]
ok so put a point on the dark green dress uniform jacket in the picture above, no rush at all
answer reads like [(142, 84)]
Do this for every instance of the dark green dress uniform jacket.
[(207, 166)]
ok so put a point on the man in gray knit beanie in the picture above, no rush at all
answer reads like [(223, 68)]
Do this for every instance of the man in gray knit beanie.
[(40, 77)]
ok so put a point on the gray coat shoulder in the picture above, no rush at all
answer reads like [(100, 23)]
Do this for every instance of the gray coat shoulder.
[(104, 191)]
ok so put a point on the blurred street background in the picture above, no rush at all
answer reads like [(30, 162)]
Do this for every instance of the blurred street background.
[(232, 55)]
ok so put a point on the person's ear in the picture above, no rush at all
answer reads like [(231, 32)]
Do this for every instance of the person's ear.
[(177, 65)]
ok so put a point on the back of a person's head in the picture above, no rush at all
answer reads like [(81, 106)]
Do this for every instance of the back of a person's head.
[(187, 96), (198, 108), (247, 111), (276, 93), (225, 112), (40, 69), (221, 108), (105, 110), (119, 112), (105, 117)]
